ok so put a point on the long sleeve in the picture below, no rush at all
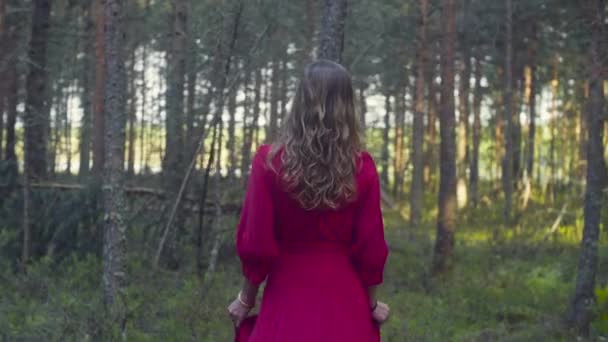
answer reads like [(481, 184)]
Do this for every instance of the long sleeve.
[(256, 244), (369, 250)]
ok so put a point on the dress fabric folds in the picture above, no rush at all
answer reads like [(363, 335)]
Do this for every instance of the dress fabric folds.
[(317, 263)]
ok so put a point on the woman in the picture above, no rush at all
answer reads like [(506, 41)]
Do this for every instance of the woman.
[(311, 224)]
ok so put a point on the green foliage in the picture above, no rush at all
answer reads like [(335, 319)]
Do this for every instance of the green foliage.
[(510, 285)]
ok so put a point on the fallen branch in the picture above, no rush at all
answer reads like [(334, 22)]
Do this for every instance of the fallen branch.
[(557, 221)]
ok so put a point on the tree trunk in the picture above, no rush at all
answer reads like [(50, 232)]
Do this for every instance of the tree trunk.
[(417, 188), (254, 106), (581, 307), (385, 139), (446, 221), (217, 226), (273, 125), (98, 95), (143, 159), (174, 138), (87, 87), (132, 115), (311, 22), (507, 164), (331, 37), (463, 126), (552, 126), (362, 105), (474, 169), (399, 158), (3, 88), (35, 116), (431, 158), (114, 247), (230, 143), (530, 74), (12, 100)]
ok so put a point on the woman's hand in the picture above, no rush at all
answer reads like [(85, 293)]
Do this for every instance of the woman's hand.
[(381, 313), (238, 311)]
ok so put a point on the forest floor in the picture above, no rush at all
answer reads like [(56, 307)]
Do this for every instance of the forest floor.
[(506, 284)]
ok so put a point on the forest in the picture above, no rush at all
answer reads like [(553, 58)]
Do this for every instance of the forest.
[(127, 129)]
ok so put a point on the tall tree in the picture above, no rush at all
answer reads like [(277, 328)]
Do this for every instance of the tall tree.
[(476, 136), (385, 139), (530, 75), (86, 96), (462, 152), (446, 220), (331, 37), (174, 120), (98, 94), (417, 187), (507, 163), (36, 114), (114, 245), (580, 314)]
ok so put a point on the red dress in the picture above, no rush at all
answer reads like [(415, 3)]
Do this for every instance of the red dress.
[(317, 263)]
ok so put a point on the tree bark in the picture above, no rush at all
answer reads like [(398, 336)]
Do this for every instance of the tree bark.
[(446, 221), (114, 247), (331, 37), (132, 115), (580, 313), (174, 137), (36, 116), (417, 187)]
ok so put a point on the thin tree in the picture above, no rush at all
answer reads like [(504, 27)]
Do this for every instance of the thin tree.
[(462, 152), (98, 94), (476, 136), (507, 164), (446, 220), (2, 71), (87, 87), (114, 244), (580, 313), (417, 187), (331, 36)]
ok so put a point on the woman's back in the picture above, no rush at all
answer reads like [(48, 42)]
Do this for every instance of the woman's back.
[(318, 261), (311, 225)]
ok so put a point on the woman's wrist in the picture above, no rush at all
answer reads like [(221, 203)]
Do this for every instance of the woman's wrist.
[(245, 302)]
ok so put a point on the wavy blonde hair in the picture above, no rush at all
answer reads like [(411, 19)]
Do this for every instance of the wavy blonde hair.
[(320, 138)]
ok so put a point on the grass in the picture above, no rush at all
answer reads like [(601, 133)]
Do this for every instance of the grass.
[(507, 284)]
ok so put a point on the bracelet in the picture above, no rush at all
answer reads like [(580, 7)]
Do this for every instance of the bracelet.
[(374, 306), (243, 303)]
